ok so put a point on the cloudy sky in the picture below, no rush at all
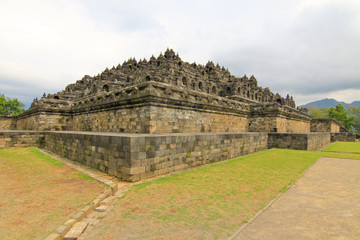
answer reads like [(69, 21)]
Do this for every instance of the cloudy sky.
[(308, 48)]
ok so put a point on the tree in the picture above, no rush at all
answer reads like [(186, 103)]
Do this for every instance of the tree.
[(340, 114), (355, 112), (318, 112), (10, 106)]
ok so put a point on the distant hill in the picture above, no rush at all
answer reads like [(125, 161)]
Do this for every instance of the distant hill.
[(356, 103), (329, 102)]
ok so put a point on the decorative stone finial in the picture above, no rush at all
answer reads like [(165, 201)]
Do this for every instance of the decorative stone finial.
[(169, 54)]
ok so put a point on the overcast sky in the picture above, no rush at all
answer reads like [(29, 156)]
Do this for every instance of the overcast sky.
[(308, 48)]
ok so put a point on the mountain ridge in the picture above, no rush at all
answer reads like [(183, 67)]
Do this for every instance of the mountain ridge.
[(329, 102)]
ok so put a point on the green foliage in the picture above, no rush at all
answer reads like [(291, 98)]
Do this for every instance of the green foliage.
[(340, 114), (10, 106), (318, 112), (350, 119), (355, 112)]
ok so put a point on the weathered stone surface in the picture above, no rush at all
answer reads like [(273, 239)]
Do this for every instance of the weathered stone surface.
[(75, 232), (298, 141), (62, 230), (79, 216), (70, 222), (114, 187), (86, 210), (21, 139), (168, 152), (101, 208), (7, 123), (343, 136), (325, 125), (108, 201), (94, 204)]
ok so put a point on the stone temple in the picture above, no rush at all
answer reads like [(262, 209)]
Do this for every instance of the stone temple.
[(165, 95), (147, 118)]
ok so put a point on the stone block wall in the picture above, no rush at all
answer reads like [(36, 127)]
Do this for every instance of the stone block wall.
[(325, 125), (278, 124), (155, 108), (273, 117), (156, 119), (298, 141), (7, 123), (263, 124), (132, 157), (335, 128), (105, 152), (318, 140), (180, 120), (287, 141), (286, 125), (157, 155), (21, 139), (343, 137), (42, 121), (129, 120)]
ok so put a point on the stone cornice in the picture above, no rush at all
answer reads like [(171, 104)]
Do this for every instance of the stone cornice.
[(166, 95)]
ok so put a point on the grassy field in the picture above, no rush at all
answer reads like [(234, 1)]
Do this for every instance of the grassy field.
[(206, 203), (38, 193), (353, 147)]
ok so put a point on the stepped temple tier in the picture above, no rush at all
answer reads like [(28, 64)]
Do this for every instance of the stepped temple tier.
[(165, 95), (150, 117)]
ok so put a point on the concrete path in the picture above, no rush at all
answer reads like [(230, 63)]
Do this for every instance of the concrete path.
[(323, 204)]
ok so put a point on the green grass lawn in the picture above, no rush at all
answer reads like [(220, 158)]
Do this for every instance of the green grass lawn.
[(209, 202), (38, 193), (353, 147)]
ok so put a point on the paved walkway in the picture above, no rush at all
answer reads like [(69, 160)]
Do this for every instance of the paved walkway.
[(323, 204)]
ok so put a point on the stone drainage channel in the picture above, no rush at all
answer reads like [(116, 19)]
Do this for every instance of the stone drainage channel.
[(89, 216)]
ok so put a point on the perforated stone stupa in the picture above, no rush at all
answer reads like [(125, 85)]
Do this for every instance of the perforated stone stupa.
[(165, 95)]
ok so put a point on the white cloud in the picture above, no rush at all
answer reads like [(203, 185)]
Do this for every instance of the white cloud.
[(306, 47)]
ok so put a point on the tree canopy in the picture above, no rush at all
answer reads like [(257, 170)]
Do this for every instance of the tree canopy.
[(318, 112), (350, 119), (10, 106), (355, 112), (339, 113)]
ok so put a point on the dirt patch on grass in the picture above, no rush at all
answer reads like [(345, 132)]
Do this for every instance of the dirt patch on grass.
[(38, 194)]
